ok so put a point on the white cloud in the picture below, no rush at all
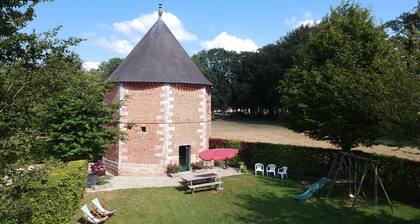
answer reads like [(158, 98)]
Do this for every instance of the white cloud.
[(122, 47), (89, 65), (231, 43), (307, 20), (143, 23)]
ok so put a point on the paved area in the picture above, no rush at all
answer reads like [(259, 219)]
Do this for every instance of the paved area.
[(130, 182)]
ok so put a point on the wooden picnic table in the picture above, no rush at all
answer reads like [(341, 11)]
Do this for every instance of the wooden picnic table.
[(201, 180)]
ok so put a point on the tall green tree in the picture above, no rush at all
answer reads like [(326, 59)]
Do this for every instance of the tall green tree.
[(349, 85), (255, 86), (49, 107), (244, 94), (406, 34), (220, 67), (106, 68), (14, 44)]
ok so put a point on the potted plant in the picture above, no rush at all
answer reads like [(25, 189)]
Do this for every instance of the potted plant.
[(172, 168), (197, 166), (98, 168)]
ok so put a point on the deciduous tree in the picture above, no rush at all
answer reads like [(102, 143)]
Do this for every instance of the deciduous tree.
[(220, 67), (406, 34), (49, 107), (349, 85)]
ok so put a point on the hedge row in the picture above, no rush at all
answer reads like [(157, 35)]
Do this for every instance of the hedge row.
[(47, 195), (401, 177)]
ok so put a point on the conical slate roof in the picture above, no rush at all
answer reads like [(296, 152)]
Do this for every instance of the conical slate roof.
[(158, 57)]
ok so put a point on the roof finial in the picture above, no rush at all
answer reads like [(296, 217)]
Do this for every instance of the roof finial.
[(160, 12)]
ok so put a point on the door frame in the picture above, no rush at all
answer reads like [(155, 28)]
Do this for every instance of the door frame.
[(187, 158)]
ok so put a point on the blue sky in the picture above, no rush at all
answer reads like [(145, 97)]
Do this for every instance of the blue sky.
[(112, 27)]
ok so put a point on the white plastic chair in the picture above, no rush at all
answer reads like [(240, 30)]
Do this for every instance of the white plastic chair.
[(259, 167), (282, 172), (89, 217), (271, 168), (100, 209)]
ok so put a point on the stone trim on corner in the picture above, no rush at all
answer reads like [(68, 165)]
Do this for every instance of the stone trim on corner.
[(203, 123), (121, 124), (165, 130)]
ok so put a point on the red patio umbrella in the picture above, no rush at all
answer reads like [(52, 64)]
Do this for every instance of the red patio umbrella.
[(218, 154)]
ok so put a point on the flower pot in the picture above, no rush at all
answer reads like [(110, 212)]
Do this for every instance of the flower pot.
[(100, 172)]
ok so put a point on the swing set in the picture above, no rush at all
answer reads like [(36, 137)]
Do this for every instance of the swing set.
[(347, 165)]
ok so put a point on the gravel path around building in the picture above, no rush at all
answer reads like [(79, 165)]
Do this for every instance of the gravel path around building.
[(133, 182)]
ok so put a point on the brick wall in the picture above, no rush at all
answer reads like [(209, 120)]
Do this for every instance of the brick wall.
[(112, 96), (156, 119)]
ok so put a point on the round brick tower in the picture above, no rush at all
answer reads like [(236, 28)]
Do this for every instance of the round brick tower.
[(166, 107)]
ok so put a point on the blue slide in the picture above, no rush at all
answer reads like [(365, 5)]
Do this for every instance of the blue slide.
[(312, 189)]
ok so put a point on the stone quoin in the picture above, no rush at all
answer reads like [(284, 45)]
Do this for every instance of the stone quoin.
[(165, 112)]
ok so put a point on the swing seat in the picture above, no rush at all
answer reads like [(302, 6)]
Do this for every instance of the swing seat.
[(344, 181)]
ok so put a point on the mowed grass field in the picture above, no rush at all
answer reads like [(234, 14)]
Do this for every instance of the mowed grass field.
[(274, 132), (245, 199)]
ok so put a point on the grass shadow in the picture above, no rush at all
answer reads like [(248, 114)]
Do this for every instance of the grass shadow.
[(271, 208)]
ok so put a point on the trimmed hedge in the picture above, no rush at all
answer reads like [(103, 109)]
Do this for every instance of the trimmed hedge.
[(47, 195), (401, 177)]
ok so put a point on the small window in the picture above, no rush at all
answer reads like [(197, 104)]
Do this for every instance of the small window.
[(143, 129)]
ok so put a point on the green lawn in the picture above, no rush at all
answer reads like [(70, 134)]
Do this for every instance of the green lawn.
[(245, 199)]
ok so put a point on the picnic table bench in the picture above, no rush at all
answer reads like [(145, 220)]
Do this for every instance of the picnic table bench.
[(193, 182)]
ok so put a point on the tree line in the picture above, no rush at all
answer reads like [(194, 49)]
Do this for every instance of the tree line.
[(346, 80), (248, 81)]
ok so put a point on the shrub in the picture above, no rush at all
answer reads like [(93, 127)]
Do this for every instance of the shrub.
[(234, 144), (98, 168), (218, 143), (172, 168), (197, 165), (399, 176), (49, 194)]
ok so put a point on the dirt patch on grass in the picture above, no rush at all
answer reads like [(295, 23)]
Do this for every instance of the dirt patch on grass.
[(271, 132)]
